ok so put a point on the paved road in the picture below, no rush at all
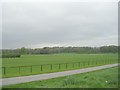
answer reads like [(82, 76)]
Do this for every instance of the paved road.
[(23, 79)]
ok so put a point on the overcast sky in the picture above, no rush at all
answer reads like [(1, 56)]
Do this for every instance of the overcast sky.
[(42, 24)]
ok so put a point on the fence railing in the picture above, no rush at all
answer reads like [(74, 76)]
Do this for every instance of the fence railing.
[(31, 69)]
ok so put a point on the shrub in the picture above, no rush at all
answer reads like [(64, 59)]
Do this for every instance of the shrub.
[(11, 55)]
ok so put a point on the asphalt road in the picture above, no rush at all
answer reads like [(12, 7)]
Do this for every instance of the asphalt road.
[(24, 79)]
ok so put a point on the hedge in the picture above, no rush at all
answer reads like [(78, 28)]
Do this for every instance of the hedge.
[(11, 55)]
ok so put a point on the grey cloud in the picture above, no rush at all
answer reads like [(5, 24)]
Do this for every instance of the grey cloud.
[(37, 24)]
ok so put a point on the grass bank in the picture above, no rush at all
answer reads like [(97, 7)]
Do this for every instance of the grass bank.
[(107, 78)]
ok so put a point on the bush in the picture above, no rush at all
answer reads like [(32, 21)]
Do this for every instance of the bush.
[(11, 55)]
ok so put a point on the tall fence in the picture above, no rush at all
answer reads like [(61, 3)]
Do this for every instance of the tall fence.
[(42, 68)]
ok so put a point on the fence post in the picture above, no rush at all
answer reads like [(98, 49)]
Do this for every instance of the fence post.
[(59, 66), (19, 69), (4, 70), (31, 69), (51, 66), (66, 65), (41, 67)]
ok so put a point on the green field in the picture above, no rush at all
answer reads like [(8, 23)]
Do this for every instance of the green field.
[(107, 78), (31, 64)]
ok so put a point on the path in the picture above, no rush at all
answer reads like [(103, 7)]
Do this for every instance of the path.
[(24, 79)]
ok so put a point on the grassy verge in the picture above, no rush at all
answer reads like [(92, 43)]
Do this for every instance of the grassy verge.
[(107, 78)]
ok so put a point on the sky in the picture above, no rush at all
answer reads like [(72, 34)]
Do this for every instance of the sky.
[(49, 24)]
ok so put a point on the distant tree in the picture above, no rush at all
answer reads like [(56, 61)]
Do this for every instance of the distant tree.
[(109, 49), (8, 53), (23, 50), (51, 50)]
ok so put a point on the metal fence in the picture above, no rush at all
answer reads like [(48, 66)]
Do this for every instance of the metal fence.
[(53, 67)]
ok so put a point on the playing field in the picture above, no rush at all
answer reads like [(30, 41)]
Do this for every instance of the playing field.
[(34, 64)]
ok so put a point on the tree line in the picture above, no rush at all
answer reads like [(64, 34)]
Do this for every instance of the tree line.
[(9, 53), (13, 53)]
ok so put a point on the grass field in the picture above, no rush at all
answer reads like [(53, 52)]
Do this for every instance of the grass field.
[(86, 60), (107, 78)]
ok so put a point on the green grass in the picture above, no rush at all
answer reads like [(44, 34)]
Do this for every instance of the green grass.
[(107, 78), (55, 60)]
